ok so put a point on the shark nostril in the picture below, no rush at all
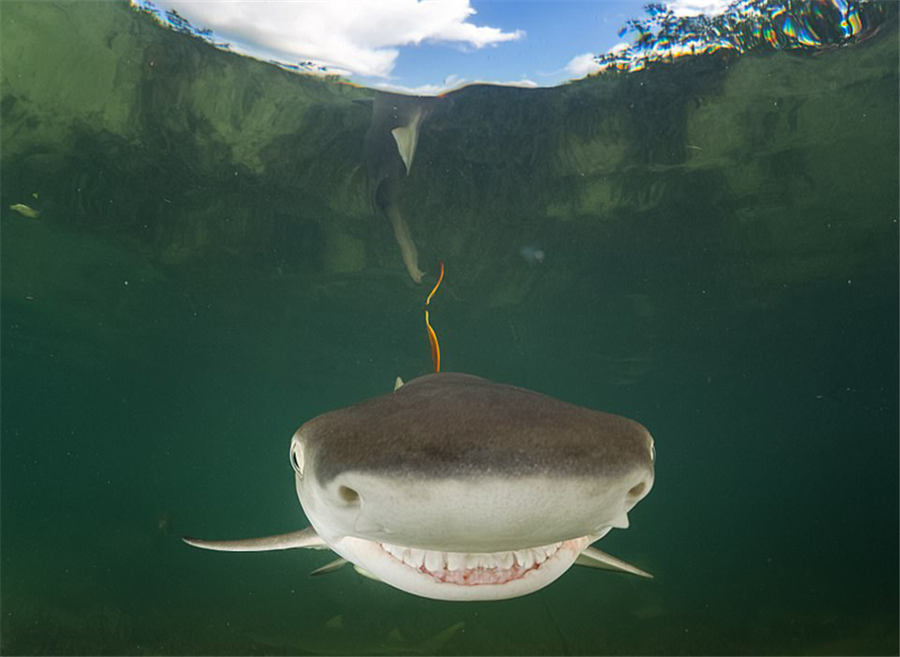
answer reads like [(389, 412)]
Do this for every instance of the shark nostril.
[(638, 489), (348, 495)]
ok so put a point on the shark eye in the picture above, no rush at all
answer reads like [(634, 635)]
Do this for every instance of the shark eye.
[(297, 458)]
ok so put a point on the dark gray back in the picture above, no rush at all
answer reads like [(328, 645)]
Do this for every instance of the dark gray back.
[(458, 425)]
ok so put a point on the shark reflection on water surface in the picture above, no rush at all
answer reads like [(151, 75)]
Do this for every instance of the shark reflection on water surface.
[(389, 150), (456, 488)]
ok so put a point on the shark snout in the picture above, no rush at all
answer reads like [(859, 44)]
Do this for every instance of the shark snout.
[(475, 514), (466, 486)]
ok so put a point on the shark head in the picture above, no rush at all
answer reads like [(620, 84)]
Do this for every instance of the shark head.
[(457, 488)]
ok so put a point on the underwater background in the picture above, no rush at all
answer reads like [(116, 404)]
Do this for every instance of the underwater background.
[(708, 246)]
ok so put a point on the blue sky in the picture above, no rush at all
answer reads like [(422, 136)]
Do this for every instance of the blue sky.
[(427, 46), (554, 34)]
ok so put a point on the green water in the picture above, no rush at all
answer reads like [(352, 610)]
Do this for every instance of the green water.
[(207, 273)]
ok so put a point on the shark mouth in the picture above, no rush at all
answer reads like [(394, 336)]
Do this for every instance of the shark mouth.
[(445, 575), (475, 568)]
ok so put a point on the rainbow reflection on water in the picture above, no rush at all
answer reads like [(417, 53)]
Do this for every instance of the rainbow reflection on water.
[(745, 26)]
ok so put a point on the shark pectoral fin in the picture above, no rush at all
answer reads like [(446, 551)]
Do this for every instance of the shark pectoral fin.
[(305, 538), (594, 558), (398, 383), (329, 567)]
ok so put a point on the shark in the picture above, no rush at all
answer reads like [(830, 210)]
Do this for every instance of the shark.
[(454, 487)]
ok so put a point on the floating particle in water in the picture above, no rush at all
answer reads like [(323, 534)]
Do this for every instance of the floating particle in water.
[(164, 523), (25, 210), (335, 622), (532, 254)]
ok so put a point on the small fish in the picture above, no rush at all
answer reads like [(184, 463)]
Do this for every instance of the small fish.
[(25, 210)]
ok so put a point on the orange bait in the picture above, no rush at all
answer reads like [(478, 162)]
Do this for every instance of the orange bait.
[(432, 337)]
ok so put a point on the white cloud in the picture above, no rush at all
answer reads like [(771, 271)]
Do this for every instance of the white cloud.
[(697, 7), (582, 65), (348, 35), (450, 83), (525, 83)]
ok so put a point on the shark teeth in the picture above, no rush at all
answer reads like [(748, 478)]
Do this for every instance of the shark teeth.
[(473, 568)]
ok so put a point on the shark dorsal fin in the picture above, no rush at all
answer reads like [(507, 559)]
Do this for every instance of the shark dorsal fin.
[(407, 138)]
